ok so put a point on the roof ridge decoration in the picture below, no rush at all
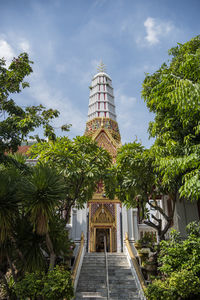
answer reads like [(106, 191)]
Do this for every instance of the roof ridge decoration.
[(101, 67)]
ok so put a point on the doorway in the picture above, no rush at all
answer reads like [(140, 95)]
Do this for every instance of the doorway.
[(100, 234)]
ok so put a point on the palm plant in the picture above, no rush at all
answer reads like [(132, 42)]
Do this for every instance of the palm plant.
[(9, 203), (9, 211), (42, 193), (31, 245)]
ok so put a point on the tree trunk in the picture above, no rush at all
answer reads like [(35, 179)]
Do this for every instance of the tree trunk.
[(51, 251), (12, 268), (168, 218), (6, 284), (18, 250)]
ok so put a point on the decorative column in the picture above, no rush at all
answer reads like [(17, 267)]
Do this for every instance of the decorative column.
[(130, 225), (124, 224), (135, 224)]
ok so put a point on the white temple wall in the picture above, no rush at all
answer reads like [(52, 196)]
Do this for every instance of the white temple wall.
[(185, 212), (79, 224)]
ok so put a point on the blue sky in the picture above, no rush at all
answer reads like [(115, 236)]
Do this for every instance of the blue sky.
[(67, 39)]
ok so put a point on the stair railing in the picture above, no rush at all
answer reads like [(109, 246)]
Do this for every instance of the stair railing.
[(106, 259), (78, 262), (135, 263)]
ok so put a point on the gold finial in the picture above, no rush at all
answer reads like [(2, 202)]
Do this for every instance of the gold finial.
[(101, 122), (101, 67)]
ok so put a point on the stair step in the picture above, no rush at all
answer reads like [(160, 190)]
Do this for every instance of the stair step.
[(90, 295), (92, 279)]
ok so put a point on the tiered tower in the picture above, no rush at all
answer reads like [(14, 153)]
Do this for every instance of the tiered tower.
[(102, 124), (104, 213)]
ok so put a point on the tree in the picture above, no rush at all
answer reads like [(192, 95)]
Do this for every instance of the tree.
[(31, 230), (8, 214), (82, 163), (16, 122), (28, 233), (42, 193), (173, 94), (136, 183), (179, 267)]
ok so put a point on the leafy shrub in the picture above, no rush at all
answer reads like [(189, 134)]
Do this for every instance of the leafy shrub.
[(179, 266), (159, 290), (185, 283), (54, 285), (30, 286), (57, 285)]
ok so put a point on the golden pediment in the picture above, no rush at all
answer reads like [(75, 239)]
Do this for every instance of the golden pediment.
[(104, 142), (103, 216)]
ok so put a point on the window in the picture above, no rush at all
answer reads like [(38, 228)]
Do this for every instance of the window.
[(99, 96), (104, 96), (98, 114), (104, 105), (105, 114), (98, 105)]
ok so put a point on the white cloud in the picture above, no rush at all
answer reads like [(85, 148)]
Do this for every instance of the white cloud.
[(75, 67), (124, 105), (10, 47), (156, 29), (127, 101), (24, 45), (46, 95), (124, 100), (6, 51)]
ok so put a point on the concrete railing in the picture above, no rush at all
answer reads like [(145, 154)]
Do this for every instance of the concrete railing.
[(136, 268), (145, 229), (78, 262)]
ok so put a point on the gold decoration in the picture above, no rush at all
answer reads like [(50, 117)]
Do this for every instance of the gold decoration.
[(94, 127), (103, 216), (101, 67)]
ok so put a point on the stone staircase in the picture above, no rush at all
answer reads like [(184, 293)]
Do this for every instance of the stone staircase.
[(92, 279)]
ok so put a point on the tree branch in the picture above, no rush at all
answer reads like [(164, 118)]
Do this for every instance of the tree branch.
[(158, 208), (151, 224)]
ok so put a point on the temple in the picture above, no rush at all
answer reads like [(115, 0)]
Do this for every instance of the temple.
[(102, 216)]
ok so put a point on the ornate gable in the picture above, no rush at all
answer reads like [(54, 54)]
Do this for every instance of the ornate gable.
[(103, 216), (104, 141)]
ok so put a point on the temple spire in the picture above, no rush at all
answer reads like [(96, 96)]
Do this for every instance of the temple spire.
[(101, 111), (101, 67)]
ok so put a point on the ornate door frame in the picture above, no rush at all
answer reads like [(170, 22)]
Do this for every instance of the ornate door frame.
[(102, 218)]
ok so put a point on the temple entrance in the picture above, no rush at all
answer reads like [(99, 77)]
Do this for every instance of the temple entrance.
[(100, 234), (102, 222)]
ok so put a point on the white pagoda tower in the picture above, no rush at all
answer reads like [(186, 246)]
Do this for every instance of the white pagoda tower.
[(101, 111), (101, 101)]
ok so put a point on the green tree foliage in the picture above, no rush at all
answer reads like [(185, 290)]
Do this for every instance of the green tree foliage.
[(136, 183), (42, 192), (54, 285), (30, 226), (179, 266), (82, 163), (16, 122), (30, 197), (9, 202), (173, 94)]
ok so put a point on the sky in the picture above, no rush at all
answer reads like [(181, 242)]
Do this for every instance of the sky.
[(67, 39)]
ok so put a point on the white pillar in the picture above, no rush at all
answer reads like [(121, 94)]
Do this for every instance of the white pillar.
[(130, 225), (135, 224), (124, 223)]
